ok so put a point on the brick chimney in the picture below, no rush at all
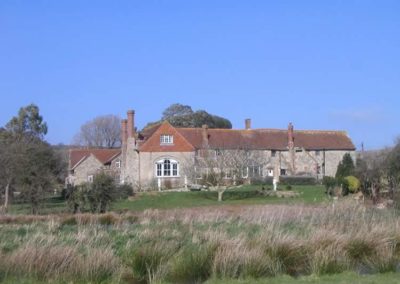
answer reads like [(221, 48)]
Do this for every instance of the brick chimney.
[(205, 135), (290, 135), (291, 149), (124, 134), (247, 123), (131, 124)]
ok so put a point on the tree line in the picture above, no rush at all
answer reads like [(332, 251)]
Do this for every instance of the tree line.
[(105, 131)]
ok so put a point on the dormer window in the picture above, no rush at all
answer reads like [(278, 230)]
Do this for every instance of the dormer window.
[(166, 139)]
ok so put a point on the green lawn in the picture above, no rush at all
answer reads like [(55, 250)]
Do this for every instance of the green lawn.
[(246, 195), (51, 205)]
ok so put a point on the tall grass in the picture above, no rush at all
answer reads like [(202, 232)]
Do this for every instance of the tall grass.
[(194, 245)]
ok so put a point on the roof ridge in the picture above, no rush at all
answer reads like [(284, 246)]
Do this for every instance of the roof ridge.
[(264, 129), (322, 131), (230, 129)]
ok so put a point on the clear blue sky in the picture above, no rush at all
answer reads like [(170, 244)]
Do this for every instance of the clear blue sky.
[(319, 64)]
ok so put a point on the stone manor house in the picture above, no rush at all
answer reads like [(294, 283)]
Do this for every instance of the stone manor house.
[(161, 154)]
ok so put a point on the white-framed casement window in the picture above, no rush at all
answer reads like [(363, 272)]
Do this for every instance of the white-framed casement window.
[(273, 153), (118, 164), (166, 139), (90, 178), (255, 171), (245, 172), (167, 168)]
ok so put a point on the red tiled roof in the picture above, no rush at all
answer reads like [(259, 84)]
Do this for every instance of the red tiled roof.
[(180, 144), (103, 155), (147, 132), (320, 140), (273, 139)]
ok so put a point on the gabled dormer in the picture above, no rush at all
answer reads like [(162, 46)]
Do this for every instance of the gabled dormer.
[(166, 139)]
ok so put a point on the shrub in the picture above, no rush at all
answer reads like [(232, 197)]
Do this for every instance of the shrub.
[(124, 191), (298, 180), (285, 180), (329, 183), (336, 186), (76, 197), (345, 167), (101, 193), (353, 184)]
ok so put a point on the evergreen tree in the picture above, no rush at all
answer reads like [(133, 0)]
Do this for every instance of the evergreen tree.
[(346, 167)]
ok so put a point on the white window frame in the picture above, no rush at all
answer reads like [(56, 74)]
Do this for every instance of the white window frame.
[(167, 168), (245, 172), (118, 164), (166, 139), (253, 169)]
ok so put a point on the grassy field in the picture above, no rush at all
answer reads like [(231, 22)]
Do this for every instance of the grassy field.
[(213, 244), (343, 278), (190, 237)]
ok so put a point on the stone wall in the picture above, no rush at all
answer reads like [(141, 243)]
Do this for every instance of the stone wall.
[(148, 178), (139, 168), (88, 167), (332, 159), (306, 162)]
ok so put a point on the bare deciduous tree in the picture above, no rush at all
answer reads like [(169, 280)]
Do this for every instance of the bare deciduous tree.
[(103, 131), (223, 169)]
